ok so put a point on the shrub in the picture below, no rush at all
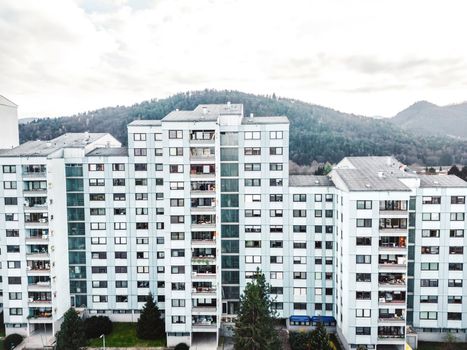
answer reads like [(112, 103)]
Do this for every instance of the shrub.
[(182, 346), (95, 326), (12, 340)]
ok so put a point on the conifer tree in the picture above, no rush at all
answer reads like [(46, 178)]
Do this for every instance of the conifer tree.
[(320, 338), (254, 327), (150, 323), (71, 335)]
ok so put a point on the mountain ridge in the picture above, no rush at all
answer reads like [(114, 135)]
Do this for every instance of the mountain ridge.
[(316, 132)]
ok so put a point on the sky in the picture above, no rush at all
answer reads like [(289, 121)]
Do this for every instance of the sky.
[(375, 58)]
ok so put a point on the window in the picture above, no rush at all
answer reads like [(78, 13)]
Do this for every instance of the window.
[(120, 240), (118, 182), (177, 236), (97, 197), (176, 185), (14, 296), (252, 135), (456, 233), (318, 213), (98, 240), (428, 283), (118, 167), (252, 151), (98, 255), (276, 244), (252, 167), (121, 269), (252, 182), (252, 244), (455, 316), (299, 228), (98, 226), (362, 330), (363, 259), (120, 255), (139, 137), (252, 213), (11, 201), (428, 299), (363, 277), (363, 295), (431, 200), (430, 233), (178, 302), (299, 197), (275, 197), (276, 275), (99, 269), (457, 216), (364, 222), (140, 152), (250, 198), (299, 306), (454, 283), (14, 264), (141, 196), (363, 240), (299, 245), (299, 291), (456, 266), (276, 228), (276, 135), (363, 313), (275, 151), (429, 266), (275, 182), (276, 166), (454, 299), (430, 216), (177, 202), (275, 213), (118, 197), (9, 169), (429, 250), (97, 211), (299, 260), (253, 259), (252, 228), (96, 167), (318, 198), (428, 315), (121, 284), (175, 134), (16, 311), (299, 213), (328, 213), (176, 151), (276, 259), (9, 185), (364, 204), (456, 250), (176, 168), (457, 199), (119, 225)]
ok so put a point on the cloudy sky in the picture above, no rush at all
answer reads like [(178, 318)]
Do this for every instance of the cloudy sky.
[(60, 57)]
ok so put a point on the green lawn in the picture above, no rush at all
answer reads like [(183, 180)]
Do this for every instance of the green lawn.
[(439, 346), (124, 335)]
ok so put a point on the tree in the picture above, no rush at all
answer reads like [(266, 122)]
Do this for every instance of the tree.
[(150, 324), (12, 341), (454, 171), (71, 335), (320, 338), (95, 326), (254, 327)]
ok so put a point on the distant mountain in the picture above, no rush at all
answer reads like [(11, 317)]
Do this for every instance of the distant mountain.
[(316, 133), (429, 119)]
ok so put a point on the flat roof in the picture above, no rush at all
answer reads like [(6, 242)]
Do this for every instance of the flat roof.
[(146, 122), (109, 152), (362, 180), (427, 181), (309, 181), (266, 120), (204, 112), (45, 148)]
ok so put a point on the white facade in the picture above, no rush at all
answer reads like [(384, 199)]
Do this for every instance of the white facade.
[(197, 202), (9, 136)]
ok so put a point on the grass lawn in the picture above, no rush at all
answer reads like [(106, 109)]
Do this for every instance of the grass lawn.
[(124, 335), (438, 346)]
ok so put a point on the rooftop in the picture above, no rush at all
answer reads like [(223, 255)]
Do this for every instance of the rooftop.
[(45, 148), (441, 181), (309, 180), (109, 152), (145, 123), (207, 112), (6, 102), (266, 120)]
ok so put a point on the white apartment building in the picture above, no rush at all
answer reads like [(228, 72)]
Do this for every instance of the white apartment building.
[(199, 200)]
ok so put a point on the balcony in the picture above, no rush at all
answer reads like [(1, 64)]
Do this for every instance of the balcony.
[(202, 154), (204, 310), (392, 298), (394, 208), (393, 226), (203, 221), (41, 314), (39, 298), (39, 267), (203, 292), (202, 137), (203, 187), (203, 170), (203, 205), (35, 204), (37, 251), (387, 262), (39, 285), (392, 280), (34, 188), (34, 171), (204, 323), (393, 244), (396, 317), (204, 272), (390, 333)]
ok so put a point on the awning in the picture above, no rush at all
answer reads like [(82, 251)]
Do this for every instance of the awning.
[(299, 319), (323, 319)]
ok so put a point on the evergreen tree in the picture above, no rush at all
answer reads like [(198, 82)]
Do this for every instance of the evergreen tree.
[(320, 338), (454, 171), (71, 335), (150, 324), (254, 327)]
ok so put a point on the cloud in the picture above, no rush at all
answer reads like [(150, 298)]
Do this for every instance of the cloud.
[(61, 56)]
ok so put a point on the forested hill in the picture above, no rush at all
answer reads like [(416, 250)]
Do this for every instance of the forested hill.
[(316, 133)]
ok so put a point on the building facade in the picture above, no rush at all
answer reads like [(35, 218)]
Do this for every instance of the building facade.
[(197, 202)]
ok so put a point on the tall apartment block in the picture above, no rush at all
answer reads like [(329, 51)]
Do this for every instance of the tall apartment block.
[(197, 202)]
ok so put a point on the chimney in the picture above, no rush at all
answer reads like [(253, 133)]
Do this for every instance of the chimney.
[(251, 115), (205, 110)]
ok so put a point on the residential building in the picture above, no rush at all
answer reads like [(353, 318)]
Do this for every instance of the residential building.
[(197, 202)]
